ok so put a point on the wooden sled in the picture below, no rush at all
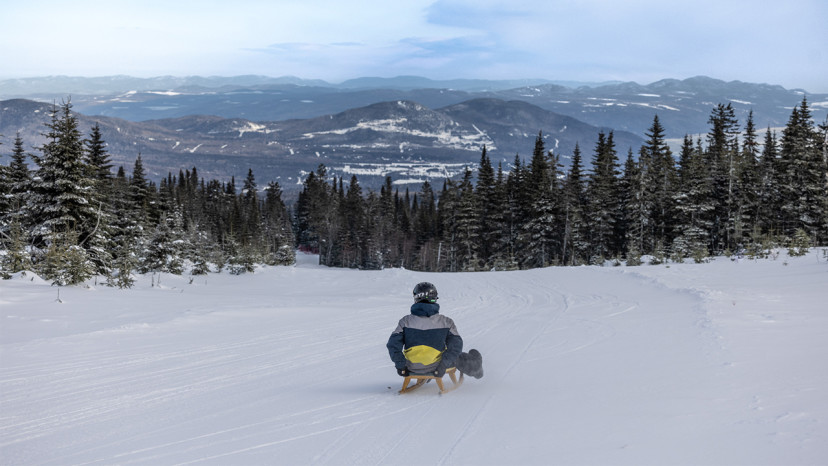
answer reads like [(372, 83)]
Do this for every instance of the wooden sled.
[(422, 379)]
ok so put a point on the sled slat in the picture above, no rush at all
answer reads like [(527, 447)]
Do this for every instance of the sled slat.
[(422, 379)]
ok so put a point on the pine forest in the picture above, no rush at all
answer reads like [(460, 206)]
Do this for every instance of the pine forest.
[(66, 216)]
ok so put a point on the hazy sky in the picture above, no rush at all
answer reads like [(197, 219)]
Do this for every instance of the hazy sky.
[(767, 41)]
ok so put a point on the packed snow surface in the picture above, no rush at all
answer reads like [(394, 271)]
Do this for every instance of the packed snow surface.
[(719, 363)]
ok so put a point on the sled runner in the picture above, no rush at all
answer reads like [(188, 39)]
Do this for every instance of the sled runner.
[(422, 379)]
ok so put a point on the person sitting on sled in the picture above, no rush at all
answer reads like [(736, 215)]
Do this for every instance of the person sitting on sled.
[(426, 342)]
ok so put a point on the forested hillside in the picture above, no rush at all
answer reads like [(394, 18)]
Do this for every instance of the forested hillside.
[(68, 217), (725, 193)]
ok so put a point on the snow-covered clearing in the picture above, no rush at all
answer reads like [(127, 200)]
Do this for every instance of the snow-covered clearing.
[(720, 363)]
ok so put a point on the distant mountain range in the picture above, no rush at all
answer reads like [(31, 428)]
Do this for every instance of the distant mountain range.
[(60, 85), (403, 138), (409, 126), (683, 106)]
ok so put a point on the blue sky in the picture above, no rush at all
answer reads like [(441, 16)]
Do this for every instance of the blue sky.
[(775, 42)]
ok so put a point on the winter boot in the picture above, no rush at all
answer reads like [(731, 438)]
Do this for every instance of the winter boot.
[(476, 360), (471, 364)]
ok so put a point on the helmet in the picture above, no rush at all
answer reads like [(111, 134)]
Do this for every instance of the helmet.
[(425, 292)]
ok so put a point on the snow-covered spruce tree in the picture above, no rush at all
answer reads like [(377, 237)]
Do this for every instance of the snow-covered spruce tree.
[(503, 257), (352, 215), (385, 224), (5, 198), (803, 174), (402, 242), (693, 204), (277, 227), (317, 215), (99, 245), (800, 243), (574, 249), (768, 203), (163, 251), (518, 212), (61, 200), (449, 208), (822, 137), (138, 224), (539, 233), (200, 248), (468, 228), (745, 221), (14, 182), (721, 160), (603, 206), (425, 228), (124, 231), (97, 155), (372, 257), (485, 199), (251, 221), (64, 262), (634, 210), (14, 186), (623, 220), (660, 183), (16, 257)]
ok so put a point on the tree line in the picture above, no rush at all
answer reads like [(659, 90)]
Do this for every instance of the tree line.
[(69, 218), (725, 193)]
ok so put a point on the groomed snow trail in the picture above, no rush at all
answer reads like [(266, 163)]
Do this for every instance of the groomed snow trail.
[(289, 366)]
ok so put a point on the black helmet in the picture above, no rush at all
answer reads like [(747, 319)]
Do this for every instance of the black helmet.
[(425, 292)]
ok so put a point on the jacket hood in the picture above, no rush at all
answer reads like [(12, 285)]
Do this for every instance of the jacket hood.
[(425, 309)]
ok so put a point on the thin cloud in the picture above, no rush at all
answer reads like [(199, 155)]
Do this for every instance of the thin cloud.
[(587, 40)]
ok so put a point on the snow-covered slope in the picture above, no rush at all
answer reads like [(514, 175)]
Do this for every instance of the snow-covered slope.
[(720, 363)]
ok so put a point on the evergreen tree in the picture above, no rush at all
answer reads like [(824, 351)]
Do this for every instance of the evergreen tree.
[(99, 170), (518, 200), (744, 223), (502, 257), (277, 228), (64, 217), (467, 225), (17, 182), (16, 258), (633, 218), (385, 225), (316, 215), (5, 192), (575, 247), (353, 219), (803, 168), (540, 234), (97, 155), (139, 194), (251, 220), (660, 181), (449, 210), (426, 228), (485, 197), (603, 196), (768, 204), (694, 205), (721, 159)]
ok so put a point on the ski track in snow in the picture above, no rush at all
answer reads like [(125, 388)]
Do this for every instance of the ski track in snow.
[(288, 366)]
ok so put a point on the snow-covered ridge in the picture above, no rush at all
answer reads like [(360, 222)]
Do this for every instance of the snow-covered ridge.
[(251, 127), (454, 139)]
